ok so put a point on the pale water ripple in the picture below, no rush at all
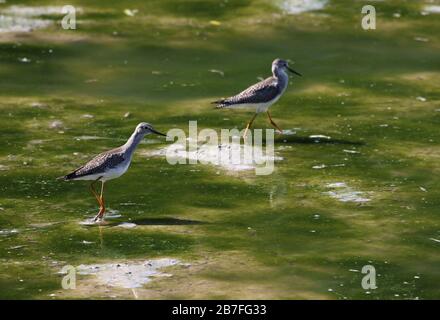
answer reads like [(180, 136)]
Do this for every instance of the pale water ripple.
[(301, 6)]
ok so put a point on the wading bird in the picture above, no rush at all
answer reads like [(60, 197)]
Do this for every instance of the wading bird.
[(110, 165), (262, 94)]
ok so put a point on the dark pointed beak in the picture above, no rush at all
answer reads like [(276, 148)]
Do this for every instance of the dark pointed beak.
[(293, 71), (157, 132)]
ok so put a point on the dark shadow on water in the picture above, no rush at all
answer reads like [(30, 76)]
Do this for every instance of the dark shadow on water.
[(167, 222), (161, 222), (307, 140)]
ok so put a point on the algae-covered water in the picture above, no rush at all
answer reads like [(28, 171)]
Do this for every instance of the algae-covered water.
[(355, 184)]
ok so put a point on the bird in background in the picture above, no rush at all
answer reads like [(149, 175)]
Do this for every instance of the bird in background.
[(263, 94), (110, 165)]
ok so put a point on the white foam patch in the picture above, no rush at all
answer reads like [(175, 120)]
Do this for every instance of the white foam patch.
[(85, 138), (289, 132), (112, 214), (127, 225), (88, 222), (6, 232), (432, 9), (350, 151), (300, 6), (109, 214), (344, 193), (27, 19), (219, 155), (21, 24), (32, 11), (127, 275), (43, 224), (319, 136)]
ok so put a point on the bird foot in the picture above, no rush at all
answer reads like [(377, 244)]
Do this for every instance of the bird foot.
[(99, 217)]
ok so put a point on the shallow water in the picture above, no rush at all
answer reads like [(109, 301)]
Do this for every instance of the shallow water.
[(361, 124)]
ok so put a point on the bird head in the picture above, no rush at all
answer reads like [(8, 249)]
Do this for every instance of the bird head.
[(281, 64), (146, 128)]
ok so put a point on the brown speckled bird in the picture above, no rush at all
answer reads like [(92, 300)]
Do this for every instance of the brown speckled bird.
[(262, 94), (110, 165)]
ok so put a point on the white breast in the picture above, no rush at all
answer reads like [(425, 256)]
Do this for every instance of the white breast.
[(263, 107), (115, 172)]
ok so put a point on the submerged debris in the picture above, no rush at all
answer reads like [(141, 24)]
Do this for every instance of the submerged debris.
[(131, 12), (217, 71), (127, 275), (344, 193), (24, 60), (17, 247), (56, 124), (215, 23)]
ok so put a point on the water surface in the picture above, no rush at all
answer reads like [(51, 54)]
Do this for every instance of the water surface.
[(356, 184)]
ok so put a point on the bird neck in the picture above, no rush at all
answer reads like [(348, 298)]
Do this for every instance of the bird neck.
[(133, 141), (282, 76)]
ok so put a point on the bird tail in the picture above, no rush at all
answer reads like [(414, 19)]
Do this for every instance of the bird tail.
[(67, 177), (220, 104)]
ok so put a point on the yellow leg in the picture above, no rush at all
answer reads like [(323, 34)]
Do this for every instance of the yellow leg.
[(248, 126), (101, 212), (102, 196), (99, 199), (92, 189), (273, 123)]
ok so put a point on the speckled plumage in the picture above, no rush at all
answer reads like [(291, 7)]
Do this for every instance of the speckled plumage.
[(262, 95), (113, 163), (261, 92), (99, 164), (110, 165)]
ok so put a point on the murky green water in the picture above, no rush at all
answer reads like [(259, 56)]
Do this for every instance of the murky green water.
[(302, 232)]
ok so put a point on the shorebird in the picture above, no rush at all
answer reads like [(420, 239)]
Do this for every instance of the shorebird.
[(262, 94), (110, 165)]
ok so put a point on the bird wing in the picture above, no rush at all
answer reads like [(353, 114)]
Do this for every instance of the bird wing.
[(260, 92), (98, 164)]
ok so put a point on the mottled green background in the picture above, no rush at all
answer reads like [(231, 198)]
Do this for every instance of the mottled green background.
[(280, 236)]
